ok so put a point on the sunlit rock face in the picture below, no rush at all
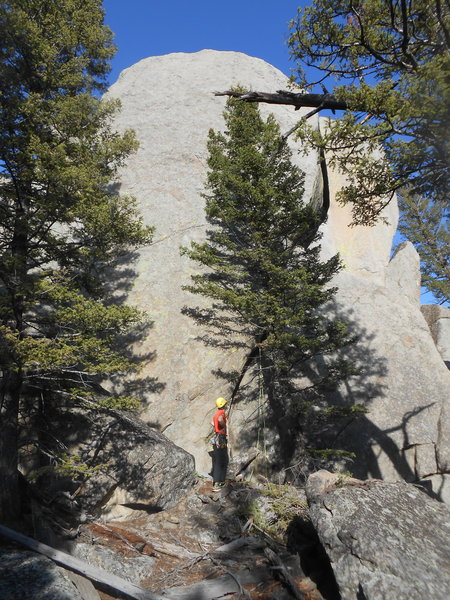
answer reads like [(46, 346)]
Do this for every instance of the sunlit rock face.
[(169, 101), (383, 539), (404, 383)]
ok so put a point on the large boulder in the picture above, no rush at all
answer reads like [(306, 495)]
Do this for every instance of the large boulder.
[(169, 101), (384, 540), (131, 465), (139, 467)]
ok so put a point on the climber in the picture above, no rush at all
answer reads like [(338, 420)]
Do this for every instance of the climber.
[(219, 441)]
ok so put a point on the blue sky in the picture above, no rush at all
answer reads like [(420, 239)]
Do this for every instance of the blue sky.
[(153, 27)]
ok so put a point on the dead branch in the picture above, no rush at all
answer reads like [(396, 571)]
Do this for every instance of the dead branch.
[(104, 579), (242, 591), (298, 100), (284, 574)]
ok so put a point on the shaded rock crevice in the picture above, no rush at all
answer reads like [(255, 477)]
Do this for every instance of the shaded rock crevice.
[(438, 320), (325, 185)]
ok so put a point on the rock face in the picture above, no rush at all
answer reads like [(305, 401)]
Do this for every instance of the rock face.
[(438, 319), (384, 540), (404, 384), (28, 575), (169, 101), (133, 465)]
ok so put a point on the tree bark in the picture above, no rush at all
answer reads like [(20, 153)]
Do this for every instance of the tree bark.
[(9, 413), (12, 375), (322, 101)]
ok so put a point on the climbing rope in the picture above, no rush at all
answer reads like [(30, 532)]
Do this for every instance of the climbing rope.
[(261, 411)]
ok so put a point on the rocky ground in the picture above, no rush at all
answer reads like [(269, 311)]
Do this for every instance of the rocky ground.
[(242, 542), (249, 540)]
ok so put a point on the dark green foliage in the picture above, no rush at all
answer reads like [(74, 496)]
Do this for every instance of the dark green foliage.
[(261, 260), (60, 219), (61, 223), (262, 253)]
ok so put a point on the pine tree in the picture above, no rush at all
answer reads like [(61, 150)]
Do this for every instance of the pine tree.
[(425, 224), (262, 260), (387, 63), (61, 221)]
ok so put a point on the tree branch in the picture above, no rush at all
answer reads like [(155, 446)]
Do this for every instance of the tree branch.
[(322, 101)]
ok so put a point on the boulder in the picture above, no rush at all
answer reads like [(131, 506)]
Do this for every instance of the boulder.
[(30, 576), (169, 101), (141, 467), (131, 465), (384, 540)]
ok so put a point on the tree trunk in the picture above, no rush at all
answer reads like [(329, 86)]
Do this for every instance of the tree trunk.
[(12, 375), (9, 413), (278, 411)]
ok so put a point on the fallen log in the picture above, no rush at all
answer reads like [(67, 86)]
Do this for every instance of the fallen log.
[(212, 589), (107, 581)]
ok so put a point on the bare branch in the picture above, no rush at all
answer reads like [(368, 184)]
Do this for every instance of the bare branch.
[(322, 101)]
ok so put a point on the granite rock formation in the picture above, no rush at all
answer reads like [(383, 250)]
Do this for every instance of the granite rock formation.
[(384, 540), (132, 465), (28, 575), (438, 319), (169, 102), (404, 382)]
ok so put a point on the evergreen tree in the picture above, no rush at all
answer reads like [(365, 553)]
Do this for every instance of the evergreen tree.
[(61, 221), (425, 224), (263, 270), (388, 62)]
